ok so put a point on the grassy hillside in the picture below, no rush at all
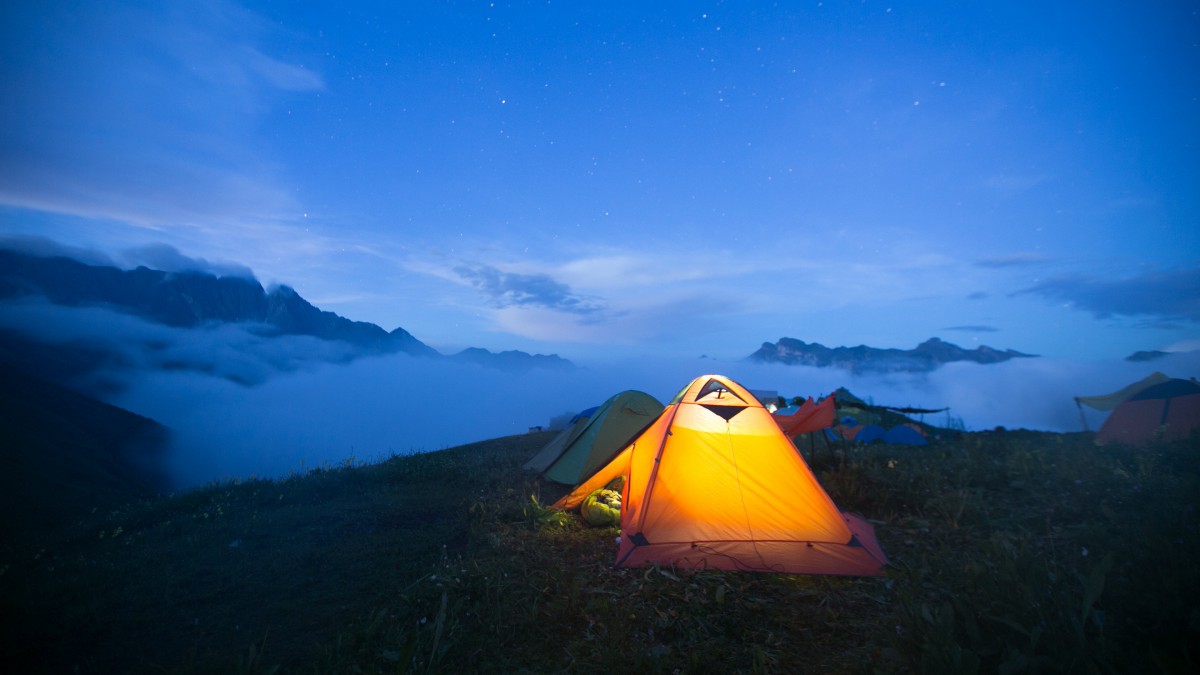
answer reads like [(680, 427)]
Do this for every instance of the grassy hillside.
[(63, 455), (1011, 552)]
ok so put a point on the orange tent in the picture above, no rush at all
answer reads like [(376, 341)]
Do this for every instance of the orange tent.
[(1168, 410), (714, 483), (810, 417)]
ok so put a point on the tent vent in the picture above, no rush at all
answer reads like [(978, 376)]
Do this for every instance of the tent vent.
[(726, 411), (715, 387)]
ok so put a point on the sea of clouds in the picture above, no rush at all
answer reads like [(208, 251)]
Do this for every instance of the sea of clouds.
[(239, 404)]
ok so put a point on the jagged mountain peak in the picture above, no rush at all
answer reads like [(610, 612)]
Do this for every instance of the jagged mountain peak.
[(188, 299), (513, 360), (926, 356)]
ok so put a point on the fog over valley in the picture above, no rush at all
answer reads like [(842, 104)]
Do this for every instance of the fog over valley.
[(242, 404)]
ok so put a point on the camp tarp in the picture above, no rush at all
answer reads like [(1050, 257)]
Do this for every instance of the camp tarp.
[(715, 483), (593, 441), (1168, 410), (809, 417), (907, 410)]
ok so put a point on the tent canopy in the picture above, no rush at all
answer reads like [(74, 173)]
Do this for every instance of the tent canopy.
[(715, 483), (1110, 401), (904, 434), (1168, 410), (807, 418), (592, 441)]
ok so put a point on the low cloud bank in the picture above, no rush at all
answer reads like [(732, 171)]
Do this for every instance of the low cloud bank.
[(239, 353), (1034, 393), (372, 408), (240, 404)]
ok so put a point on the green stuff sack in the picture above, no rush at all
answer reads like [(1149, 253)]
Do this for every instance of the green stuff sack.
[(602, 507)]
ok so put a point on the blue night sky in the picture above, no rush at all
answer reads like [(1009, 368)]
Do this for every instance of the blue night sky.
[(600, 179)]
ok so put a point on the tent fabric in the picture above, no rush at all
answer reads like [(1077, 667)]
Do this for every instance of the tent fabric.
[(849, 431), (904, 434), (584, 414), (870, 433), (715, 483), (809, 417), (558, 445), (592, 442), (1168, 410), (1110, 401)]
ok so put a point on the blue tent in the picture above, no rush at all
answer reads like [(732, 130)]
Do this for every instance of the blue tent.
[(904, 435), (870, 434), (584, 414)]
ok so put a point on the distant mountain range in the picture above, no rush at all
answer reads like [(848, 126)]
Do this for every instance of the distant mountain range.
[(1151, 355), (927, 356), (201, 299)]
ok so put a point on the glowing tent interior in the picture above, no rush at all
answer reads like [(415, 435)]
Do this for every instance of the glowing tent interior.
[(714, 483)]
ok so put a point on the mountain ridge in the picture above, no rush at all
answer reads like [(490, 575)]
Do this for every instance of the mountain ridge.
[(925, 357), (194, 299)]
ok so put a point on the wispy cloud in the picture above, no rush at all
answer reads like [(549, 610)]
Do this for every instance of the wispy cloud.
[(610, 295), (279, 74), (1014, 260), (48, 248), (525, 290), (169, 259), (973, 329), (1172, 294), (145, 113), (641, 321), (1015, 183), (623, 269)]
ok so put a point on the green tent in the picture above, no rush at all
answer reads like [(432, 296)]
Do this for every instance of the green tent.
[(590, 442), (1110, 401)]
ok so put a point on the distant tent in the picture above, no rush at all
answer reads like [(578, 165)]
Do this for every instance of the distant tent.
[(901, 434), (904, 434), (557, 445), (1168, 410), (584, 414), (592, 441), (1110, 401), (870, 433), (715, 483), (849, 430), (808, 417)]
